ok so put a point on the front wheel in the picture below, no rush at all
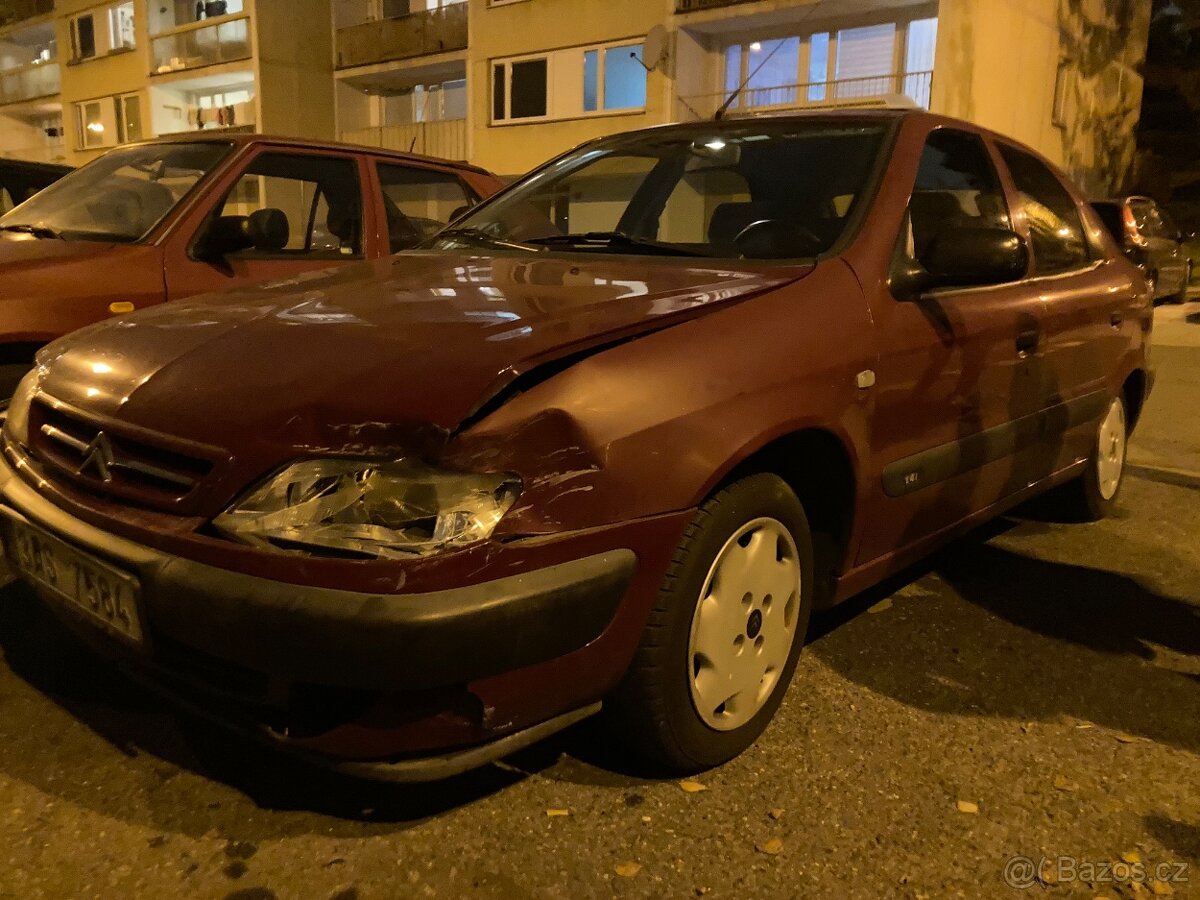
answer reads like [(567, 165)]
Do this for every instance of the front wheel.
[(724, 637)]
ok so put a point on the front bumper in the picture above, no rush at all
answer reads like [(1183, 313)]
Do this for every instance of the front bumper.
[(500, 634)]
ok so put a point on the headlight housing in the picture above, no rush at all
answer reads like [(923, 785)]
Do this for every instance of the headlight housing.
[(388, 510)]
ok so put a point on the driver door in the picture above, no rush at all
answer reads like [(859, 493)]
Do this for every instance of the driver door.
[(320, 197)]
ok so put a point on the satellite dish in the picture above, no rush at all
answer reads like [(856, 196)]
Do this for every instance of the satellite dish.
[(654, 50)]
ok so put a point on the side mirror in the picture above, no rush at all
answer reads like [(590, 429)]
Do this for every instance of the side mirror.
[(967, 257), (264, 229)]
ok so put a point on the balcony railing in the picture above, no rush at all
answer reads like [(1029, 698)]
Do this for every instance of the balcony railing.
[(447, 139), (50, 152), (404, 37), (195, 46), (19, 10), (686, 6), (900, 89), (30, 82)]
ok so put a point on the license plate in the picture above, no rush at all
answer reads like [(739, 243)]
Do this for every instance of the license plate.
[(106, 596)]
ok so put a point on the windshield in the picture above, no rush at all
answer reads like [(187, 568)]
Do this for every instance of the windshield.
[(754, 190), (119, 197)]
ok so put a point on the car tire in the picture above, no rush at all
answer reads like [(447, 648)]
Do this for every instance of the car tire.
[(10, 376), (714, 662), (1093, 495)]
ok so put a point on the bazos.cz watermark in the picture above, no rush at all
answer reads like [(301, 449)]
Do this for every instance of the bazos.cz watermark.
[(1023, 872)]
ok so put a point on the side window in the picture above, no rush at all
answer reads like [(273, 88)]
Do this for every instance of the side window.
[(6, 201), (688, 215), (956, 187), (420, 202), (1055, 228), (318, 197)]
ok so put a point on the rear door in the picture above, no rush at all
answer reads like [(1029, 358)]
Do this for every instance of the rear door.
[(959, 369), (1174, 259), (320, 195), (1089, 308)]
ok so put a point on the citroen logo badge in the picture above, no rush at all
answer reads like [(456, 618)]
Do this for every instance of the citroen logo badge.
[(99, 457)]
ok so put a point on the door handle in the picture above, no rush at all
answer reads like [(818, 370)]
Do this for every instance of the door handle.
[(1027, 340)]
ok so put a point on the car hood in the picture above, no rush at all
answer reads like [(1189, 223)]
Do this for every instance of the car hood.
[(22, 252), (419, 341)]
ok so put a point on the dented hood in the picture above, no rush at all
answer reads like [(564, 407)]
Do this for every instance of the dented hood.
[(420, 340)]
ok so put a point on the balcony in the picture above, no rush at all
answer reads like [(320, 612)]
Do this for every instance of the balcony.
[(402, 37), (900, 89), (447, 139), (201, 44), (687, 6), (20, 10), (30, 82)]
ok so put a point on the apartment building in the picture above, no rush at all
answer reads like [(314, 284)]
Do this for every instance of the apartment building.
[(509, 83), (79, 77)]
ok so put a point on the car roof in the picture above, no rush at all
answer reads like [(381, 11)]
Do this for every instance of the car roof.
[(245, 139), (22, 166), (888, 115)]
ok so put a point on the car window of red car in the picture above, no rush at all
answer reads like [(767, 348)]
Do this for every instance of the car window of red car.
[(956, 187), (419, 202), (319, 196), (1055, 228)]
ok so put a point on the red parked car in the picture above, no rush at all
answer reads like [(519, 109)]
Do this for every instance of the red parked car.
[(606, 442), (182, 216)]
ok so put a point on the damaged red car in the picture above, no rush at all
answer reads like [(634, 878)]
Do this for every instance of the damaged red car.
[(603, 445)]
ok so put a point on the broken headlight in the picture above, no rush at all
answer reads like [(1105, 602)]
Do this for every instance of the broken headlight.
[(391, 510)]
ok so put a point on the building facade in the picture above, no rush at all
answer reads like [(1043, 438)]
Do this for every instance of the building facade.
[(79, 77), (509, 83)]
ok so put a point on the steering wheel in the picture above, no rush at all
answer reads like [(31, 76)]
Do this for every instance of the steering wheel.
[(776, 239)]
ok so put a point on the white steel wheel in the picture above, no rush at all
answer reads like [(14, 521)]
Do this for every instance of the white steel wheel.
[(744, 624), (1110, 450)]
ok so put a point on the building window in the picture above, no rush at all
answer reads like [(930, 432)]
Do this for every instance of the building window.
[(614, 78), (83, 37), (825, 67), (103, 31), (129, 118), (1062, 91), (570, 83), (519, 89)]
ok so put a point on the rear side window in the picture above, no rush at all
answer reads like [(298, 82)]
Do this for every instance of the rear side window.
[(957, 187), (420, 202), (1055, 228)]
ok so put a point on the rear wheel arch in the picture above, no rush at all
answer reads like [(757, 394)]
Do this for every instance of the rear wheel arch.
[(1133, 391)]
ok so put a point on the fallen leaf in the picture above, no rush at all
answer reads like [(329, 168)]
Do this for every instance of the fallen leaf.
[(692, 787), (1062, 784), (1026, 727), (555, 813), (771, 847), (966, 806), (1126, 738), (628, 869), (1133, 857), (776, 813), (646, 819), (1137, 887), (881, 606), (1048, 874), (1161, 889), (1083, 725)]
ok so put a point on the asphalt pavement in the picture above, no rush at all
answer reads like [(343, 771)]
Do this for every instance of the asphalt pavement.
[(1026, 703)]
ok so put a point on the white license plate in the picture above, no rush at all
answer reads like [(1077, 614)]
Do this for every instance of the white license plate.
[(106, 596)]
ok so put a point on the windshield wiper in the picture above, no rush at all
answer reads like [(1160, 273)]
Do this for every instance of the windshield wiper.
[(38, 231), (612, 240), (477, 235)]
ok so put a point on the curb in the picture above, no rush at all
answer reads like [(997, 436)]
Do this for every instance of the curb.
[(1164, 475)]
